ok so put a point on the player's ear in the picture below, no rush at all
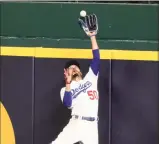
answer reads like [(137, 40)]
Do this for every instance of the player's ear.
[(81, 73)]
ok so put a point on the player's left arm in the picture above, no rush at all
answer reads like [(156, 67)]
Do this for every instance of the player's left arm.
[(89, 24), (95, 63)]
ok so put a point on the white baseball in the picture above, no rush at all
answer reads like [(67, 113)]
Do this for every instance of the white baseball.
[(83, 13)]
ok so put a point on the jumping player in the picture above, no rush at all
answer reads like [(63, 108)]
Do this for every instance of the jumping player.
[(80, 94)]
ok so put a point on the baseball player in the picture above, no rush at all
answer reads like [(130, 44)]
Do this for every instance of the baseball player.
[(80, 94)]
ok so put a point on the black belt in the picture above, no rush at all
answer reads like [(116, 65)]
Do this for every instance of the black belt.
[(85, 118)]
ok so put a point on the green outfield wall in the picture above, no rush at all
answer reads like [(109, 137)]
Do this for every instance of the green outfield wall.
[(122, 22), (36, 41)]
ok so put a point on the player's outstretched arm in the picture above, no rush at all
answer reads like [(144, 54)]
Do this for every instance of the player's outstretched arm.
[(89, 24), (96, 55), (94, 42)]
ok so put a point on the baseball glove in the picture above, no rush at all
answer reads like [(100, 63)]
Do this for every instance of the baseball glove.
[(89, 24)]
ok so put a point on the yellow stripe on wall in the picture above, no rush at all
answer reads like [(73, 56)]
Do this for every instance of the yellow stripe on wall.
[(40, 52)]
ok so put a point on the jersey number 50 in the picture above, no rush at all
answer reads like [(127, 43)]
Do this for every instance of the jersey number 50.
[(92, 94)]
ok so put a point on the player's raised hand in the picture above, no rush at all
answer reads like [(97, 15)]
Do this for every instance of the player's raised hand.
[(89, 24), (68, 75)]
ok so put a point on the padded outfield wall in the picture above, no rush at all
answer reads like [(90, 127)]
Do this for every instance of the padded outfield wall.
[(36, 41)]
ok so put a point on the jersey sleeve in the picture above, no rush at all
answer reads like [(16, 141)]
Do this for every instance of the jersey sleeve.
[(95, 63), (62, 92), (93, 71), (66, 98)]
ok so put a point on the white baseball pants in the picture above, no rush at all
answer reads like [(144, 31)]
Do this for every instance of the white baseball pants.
[(78, 130)]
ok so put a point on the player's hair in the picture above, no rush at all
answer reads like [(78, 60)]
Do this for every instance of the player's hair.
[(72, 62)]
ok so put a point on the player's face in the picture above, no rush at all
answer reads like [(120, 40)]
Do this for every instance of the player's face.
[(75, 70)]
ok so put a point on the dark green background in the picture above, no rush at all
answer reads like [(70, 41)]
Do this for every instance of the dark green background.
[(121, 22), (124, 26)]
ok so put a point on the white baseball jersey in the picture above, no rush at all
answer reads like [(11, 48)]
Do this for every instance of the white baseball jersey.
[(85, 95)]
